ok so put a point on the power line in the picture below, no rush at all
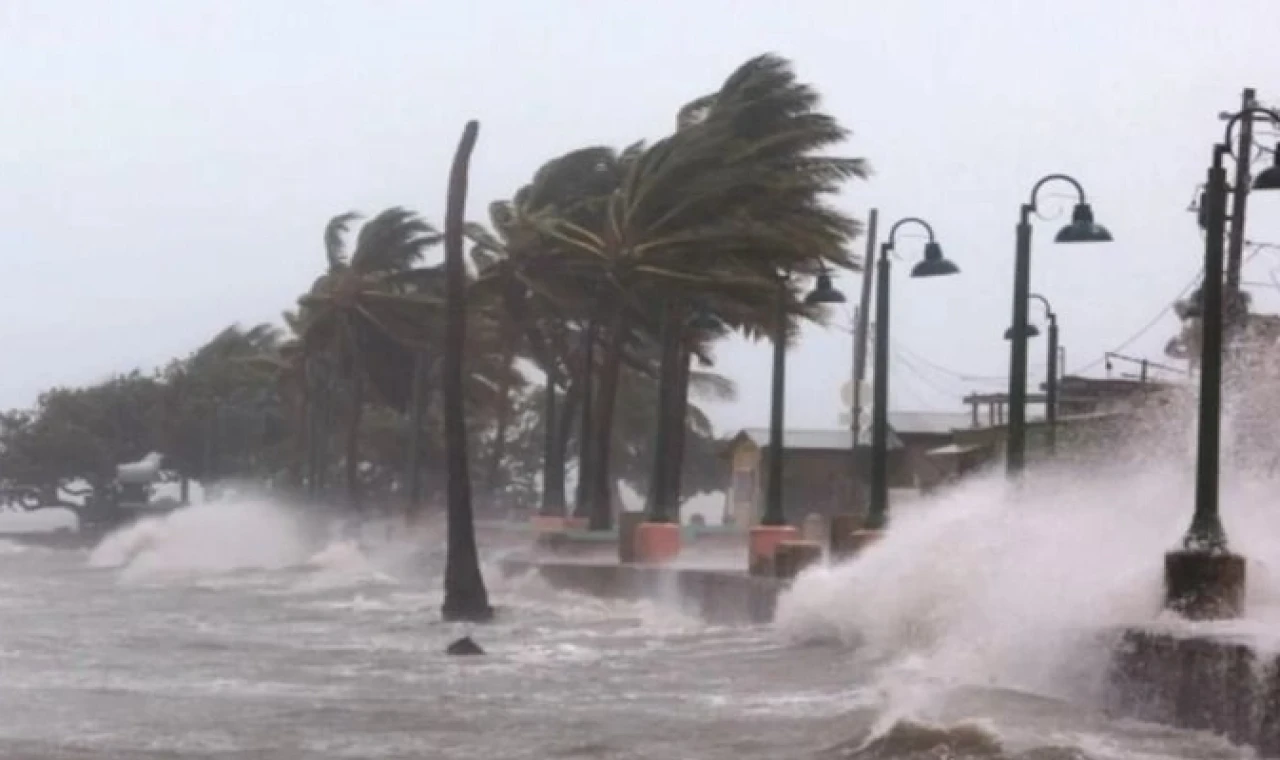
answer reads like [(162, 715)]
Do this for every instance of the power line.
[(968, 378), (1144, 329), (906, 363)]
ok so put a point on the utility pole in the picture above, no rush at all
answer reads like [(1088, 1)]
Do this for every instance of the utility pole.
[(860, 351), (1239, 200)]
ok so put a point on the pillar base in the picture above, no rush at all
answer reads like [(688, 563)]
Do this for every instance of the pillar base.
[(627, 524), (1202, 585), (656, 543), (557, 524), (792, 557), (762, 544), (814, 528), (860, 540), (842, 528)]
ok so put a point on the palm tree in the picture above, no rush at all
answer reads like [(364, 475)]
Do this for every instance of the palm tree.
[(465, 596), (548, 306), (364, 314), (718, 210)]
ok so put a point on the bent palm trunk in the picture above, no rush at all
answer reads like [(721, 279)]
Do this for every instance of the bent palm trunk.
[(586, 380), (354, 419), (601, 515), (465, 596), (553, 492), (417, 413), (679, 431)]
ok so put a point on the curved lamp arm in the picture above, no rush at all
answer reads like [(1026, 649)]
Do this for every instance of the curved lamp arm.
[(909, 220), (1235, 119), (1048, 310), (1035, 191)]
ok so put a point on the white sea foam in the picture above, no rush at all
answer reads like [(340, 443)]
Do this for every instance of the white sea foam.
[(1018, 586), (215, 537)]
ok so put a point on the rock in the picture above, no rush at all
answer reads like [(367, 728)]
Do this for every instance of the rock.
[(464, 646)]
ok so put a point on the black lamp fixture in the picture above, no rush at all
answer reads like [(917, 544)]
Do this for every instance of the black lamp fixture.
[(1082, 228), (1032, 332), (824, 291), (1269, 179), (934, 264)]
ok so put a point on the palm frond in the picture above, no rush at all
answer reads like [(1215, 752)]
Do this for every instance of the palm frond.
[(335, 235)]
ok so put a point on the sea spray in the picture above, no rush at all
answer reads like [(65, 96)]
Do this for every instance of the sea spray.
[(1019, 586), (247, 533)]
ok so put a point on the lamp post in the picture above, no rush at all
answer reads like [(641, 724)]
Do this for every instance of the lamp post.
[(1203, 579), (934, 264), (1051, 369), (773, 528), (1082, 229)]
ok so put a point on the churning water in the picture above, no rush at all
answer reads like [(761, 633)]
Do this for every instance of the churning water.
[(976, 629)]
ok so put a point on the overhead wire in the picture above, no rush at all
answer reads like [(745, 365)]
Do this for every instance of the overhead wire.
[(1142, 330)]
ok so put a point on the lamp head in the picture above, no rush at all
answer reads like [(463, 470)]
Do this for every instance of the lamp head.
[(1032, 332), (934, 264), (824, 292), (1082, 228), (1269, 179)]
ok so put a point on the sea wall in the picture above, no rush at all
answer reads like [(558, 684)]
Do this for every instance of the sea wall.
[(716, 596), (1198, 681)]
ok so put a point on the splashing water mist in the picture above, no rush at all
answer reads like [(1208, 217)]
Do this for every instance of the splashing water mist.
[(1022, 586)]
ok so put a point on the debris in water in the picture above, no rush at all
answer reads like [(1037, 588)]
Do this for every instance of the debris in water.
[(464, 646)]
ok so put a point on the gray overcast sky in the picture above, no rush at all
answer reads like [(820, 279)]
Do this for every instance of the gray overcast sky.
[(166, 167)]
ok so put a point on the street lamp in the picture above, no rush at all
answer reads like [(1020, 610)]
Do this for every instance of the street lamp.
[(1204, 580), (773, 528), (823, 293), (1082, 229), (1051, 367), (934, 264)]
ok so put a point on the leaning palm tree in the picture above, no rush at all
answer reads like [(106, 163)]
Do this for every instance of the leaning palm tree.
[(364, 316), (551, 307), (724, 208), (465, 596)]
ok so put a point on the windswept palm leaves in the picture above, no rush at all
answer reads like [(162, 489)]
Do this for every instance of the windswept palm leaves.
[(722, 210), (365, 314)]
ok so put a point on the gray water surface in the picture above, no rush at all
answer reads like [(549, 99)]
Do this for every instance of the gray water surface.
[(342, 657)]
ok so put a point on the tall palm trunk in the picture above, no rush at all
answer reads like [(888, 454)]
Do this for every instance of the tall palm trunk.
[(417, 414), (355, 416), (553, 491), (658, 506), (601, 515), (300, 409), (585, 383), (496, 456), (465, 596), (679, 430), (569, 407)]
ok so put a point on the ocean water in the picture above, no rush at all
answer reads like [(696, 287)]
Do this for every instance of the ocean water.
[(247, 630)]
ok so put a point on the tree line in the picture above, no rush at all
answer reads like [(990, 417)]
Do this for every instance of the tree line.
[(557, 336)]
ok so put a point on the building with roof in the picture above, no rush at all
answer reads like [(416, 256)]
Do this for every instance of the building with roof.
[(821, 469)]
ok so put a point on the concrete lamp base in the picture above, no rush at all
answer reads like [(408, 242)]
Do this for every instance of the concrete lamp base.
[(656, 543), (861, 539), (547, 524), (1202, 585), (628, 522), (762, 544), (792, 557), (842, 529)]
